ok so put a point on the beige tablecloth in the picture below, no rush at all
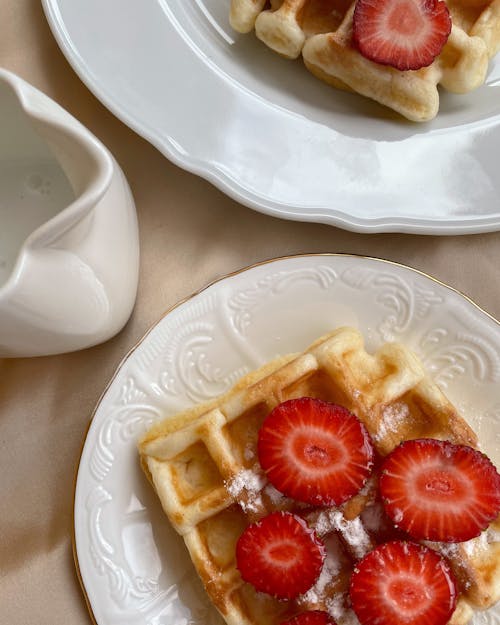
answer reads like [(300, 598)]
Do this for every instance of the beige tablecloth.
[(190, 234)]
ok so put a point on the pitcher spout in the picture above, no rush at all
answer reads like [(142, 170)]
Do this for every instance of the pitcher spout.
[(69, 251)]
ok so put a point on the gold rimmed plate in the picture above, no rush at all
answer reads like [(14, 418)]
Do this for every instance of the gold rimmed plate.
[(133, 567)]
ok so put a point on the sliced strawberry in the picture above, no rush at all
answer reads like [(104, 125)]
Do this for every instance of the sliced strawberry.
[(402, 582), (438, 491), (313, 617), (406, 34), (315, 452), (280, 555)]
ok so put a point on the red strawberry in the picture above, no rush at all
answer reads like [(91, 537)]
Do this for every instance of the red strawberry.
[(313, 617), (402, 582), (406, 34), (438, 491), (280, 555), (315, 452)]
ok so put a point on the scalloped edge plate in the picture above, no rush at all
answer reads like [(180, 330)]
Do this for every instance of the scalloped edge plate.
[(133, 567), (273, 137)]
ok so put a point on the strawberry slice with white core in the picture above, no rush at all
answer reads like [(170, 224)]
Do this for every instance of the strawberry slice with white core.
[(406, 34), (438, 491), (313, 617), (280, 555), (314, 451), (402, 583)]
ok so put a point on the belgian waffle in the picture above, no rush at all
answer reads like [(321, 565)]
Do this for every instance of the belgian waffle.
[(321, 30), (204, 468)]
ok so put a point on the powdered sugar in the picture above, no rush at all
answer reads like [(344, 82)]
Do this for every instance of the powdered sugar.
[(336, 608), (368, 489), (246, 480), (476, 546), (251, 490), (393, 416), (472, 548), (448, 550), (315, 595), (245, 487), (331, 568), (493, 535), (275, 497), (352, 532), (249, 452), (373, 517)]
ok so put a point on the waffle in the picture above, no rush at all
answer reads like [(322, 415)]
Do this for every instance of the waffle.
[(204, 468), (321, 30)]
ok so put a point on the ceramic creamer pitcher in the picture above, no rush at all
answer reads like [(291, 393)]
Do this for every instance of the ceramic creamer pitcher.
[(69, 249)]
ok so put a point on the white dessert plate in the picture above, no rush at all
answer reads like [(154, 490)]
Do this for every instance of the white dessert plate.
[(269, 134), (133, 567)]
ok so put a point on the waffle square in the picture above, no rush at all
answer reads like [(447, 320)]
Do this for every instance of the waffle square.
[(203, 465), (321, 31)]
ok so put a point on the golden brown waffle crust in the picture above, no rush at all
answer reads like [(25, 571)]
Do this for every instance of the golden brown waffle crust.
[(321, 32), (194, 458)]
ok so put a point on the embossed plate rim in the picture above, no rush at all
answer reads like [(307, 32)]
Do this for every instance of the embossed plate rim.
[(356, 258)]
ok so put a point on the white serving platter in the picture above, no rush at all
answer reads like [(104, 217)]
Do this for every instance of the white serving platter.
[(273, 137)]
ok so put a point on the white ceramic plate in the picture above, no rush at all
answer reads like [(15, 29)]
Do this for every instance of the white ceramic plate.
[(272, 136), (134, 569)]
